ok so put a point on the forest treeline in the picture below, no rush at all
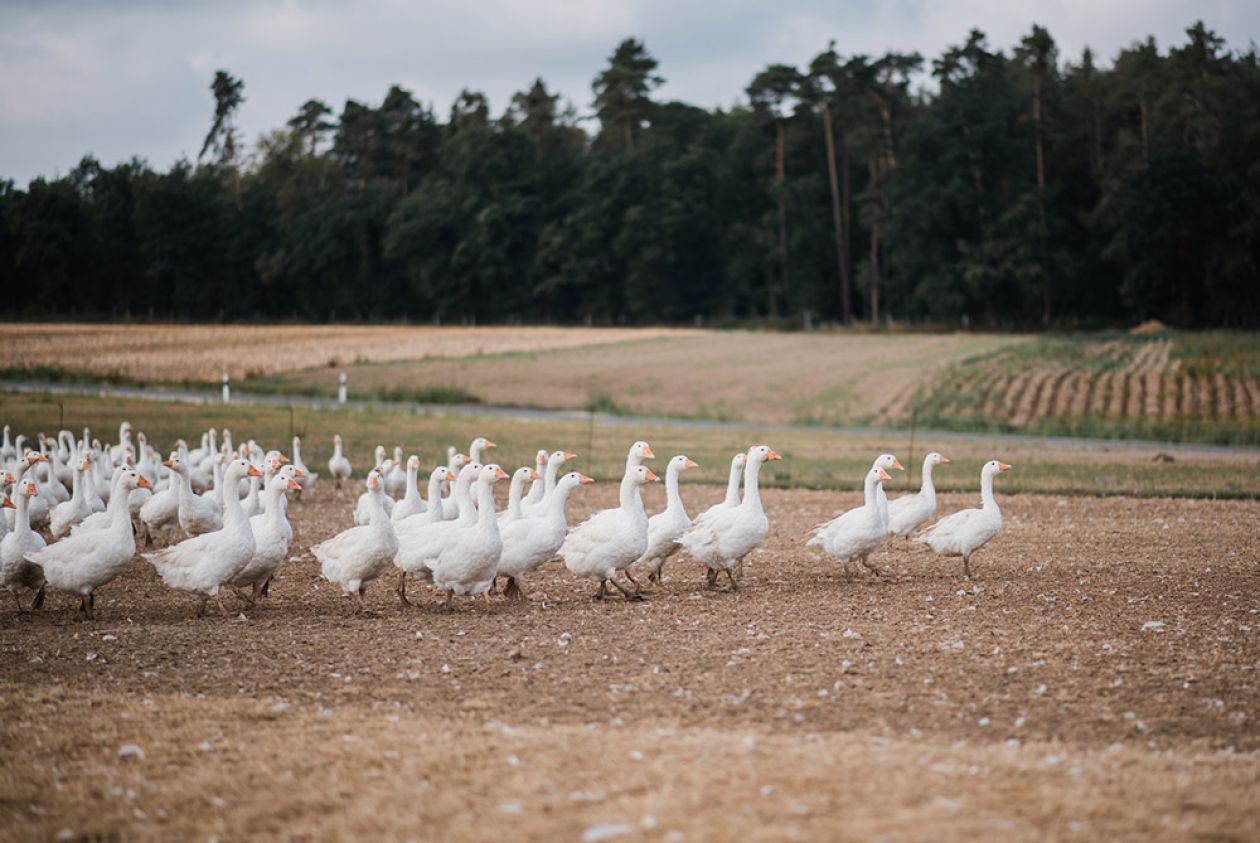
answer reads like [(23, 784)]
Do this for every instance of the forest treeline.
[(985, 187)]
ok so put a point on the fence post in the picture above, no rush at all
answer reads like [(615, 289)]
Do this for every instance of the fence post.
[(227, 389), (341, 388)]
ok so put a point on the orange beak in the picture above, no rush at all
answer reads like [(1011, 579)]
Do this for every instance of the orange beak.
[(283, 458), (166, 463), (945, 459), (690, 463), (583, 480), (297, 472), (450, 475), (897, 464), (8, 504), (31, 490), (86, 465), (647, 453), (253, 472), (1003, 466), (774, 455), (499, 474), (41, 458), (144, 483), (884, 475), (651, 476), (490, 444), (293, 485), (534, 475), (568, 456)]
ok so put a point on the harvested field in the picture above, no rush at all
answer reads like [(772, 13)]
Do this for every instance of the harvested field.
[(1098, 680), (174, 353), (735, 375)]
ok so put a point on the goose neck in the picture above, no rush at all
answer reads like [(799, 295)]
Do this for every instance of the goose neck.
[(752, 486), (927, 488), (732, 486), (987, 501), (673, 500)]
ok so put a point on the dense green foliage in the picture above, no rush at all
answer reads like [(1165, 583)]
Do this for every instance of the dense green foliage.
[(1015, 189)]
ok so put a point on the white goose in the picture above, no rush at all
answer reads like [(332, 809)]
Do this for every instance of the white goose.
[(531, 542), (355, 558), (160, 513), (396, 477), (478, 445), (732, 488), (721, 541), (555, 462), (469, 562), (305, 478), (338, 465), (196, 514), (966, 531), (909, 511), (421, 538), (15, 572), (80, 564), (427, 514), (7, 452), (516, 491), (411, 503), (202, 565), (855, 534), (609, 541), (66, 515), (363, 507), (537, 488), (38, 510), (452, 506), (272, 535), (666, 526)]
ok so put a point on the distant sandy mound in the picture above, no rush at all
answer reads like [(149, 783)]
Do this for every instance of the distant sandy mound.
[(1150, 326)]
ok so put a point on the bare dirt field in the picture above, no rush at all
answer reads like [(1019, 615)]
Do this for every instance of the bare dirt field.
[(1098, 680), (166, 353)]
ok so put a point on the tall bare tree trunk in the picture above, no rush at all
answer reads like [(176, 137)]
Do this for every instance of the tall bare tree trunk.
[(837, 219), (1041, 199), (778, 181), (873, 163)]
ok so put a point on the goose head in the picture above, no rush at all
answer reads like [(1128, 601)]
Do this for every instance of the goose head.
[(461, 461), (993, 468), (176, 464), (559, 458), (681, 463), (491, 474), (129, 480), (641, 474), (398, 456), (337, 440), (936, 458), (237, 469), (442, 473), (413, 463), (378, 455), (573, 479), (888, 462), (481, 443), (641, 451), (540, 459), (282, 482), (7, 503), (291, 471), (762, 453), (373, 481), (877, 475)]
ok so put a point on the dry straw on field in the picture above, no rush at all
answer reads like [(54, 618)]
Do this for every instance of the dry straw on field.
[(204, 352)]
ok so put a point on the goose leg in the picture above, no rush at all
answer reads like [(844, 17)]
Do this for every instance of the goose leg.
[(358, 600), (18, 601), (637, 588), (446, 601), (730, 575), (512, 591), (629, 595), (91, 606), (871, 567), (201, 608), (218, 601), (494, 586), (967, 565), (402, 589), (265, 591), (247, 600), (656, 575), (711, 575), (599, 595), (38, 602)]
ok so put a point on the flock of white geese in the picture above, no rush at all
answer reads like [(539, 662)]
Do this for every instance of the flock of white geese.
[(218, 516)]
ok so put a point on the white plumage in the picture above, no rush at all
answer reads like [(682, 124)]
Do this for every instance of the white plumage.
[(468, 563), (721, 541), (666, 526), (968, 530), (611, 540), (338, 465), (272, 535), (854, 535), (909, 511), (532, 541), (355, 558)]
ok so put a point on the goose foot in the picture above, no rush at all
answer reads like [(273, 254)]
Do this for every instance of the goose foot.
[(599, 595), (730, 575), (18, 601), (631, 596), (967, 566), (446, 601), (494, 586), (266, 588), (638, 589), (512, 591), (247, 600), (218, 601), (872, 568), (657, 576), (87, 606), (711, 578)]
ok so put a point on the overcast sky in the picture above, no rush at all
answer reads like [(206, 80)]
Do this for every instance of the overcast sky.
[(117, 78)]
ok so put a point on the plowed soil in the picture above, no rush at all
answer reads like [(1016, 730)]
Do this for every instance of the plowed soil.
[(1097, 680)]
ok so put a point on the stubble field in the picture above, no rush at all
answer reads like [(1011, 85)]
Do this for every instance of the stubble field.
[(1098, 679)]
